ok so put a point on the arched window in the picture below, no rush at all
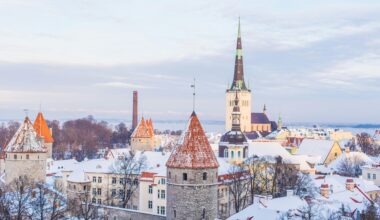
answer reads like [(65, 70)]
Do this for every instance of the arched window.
[(225, 152), (239, 154), (205, 176), (232, 154)]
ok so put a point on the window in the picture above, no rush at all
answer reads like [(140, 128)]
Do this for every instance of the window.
[(163, 181), (368, 175), (99, 201), (162, 210), (121, 193), (150, 189), (162, 194), (204, 176), (184, 176), (15, 156), (158, 209), (232, 154), (93, 200), (113, 192), (84, 188), (158, 193), (204, 213), (121, 181), (175, 213), (94, 191), (150, 204), (225, 152), (94, 179), (170, 175), (99, 179), (27, 156), (239, 154), (113, 180), (374, 176), (99, 191), (75, 187)]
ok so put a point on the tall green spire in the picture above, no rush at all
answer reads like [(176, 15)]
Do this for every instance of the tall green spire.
[(238, 81)]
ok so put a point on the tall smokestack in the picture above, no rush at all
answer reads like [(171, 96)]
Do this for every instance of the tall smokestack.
[(134, 111)]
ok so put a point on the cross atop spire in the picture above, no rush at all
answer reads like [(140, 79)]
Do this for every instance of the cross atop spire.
[(238, 81)]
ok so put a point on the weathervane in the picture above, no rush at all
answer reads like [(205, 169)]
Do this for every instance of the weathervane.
[(193, 86), (26, 112)]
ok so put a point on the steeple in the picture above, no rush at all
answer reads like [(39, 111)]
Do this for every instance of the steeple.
[(238, 81), (265, 109), (279, 123), (236, 115)]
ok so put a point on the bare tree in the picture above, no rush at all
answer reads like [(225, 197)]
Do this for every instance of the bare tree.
[(81, 206), (305, 186), (128, 169), (351, 166), (238, 186), (254, 164)]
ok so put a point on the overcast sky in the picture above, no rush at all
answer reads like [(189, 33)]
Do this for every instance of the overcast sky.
[(311, 61)]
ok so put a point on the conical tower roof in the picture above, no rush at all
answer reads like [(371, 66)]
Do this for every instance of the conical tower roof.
[(42, 128), (142, 130), (238, 82), (194, 150), (25, 140)]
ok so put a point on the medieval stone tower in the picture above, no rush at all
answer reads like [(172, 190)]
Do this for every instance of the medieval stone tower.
[(25, 155), (192, 172), (244, 93)]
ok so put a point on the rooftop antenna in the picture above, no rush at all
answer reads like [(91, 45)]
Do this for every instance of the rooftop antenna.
[(26, 111), (193, 86)]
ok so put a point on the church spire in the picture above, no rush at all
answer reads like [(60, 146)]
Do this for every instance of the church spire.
[(238, 81), (236, 114)]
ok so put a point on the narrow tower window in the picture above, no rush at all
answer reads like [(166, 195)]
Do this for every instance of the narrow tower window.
[(204, 176), (204, 213), (185, 176)]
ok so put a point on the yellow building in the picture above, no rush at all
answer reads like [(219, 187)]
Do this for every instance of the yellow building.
[(327, 150)]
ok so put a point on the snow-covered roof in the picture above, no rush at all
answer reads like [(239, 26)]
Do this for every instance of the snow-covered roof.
[(78, 176), (353, 157), (316, 147), (25, 140), (57, 166), (194, 150), (338, 195), (264, 209), (263, 149)]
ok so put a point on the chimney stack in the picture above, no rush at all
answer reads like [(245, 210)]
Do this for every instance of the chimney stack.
[(350, 185), (134, 111), (325, 190)]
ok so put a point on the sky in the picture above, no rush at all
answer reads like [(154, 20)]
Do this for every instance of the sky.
[(310, 61)]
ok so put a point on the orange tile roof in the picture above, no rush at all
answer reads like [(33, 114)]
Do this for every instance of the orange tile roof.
[(195, 150), (42, 128), (142, 130)]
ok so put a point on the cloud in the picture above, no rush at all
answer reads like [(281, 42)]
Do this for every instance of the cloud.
[(122, 85)]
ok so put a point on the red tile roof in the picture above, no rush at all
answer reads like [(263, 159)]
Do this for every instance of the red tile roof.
[(195, 150), (143, 130), (42, 128)]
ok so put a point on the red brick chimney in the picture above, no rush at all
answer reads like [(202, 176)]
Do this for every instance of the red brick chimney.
[(134, 111), (350, 185)]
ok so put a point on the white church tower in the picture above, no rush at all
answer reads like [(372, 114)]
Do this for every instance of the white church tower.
[(238, 87)]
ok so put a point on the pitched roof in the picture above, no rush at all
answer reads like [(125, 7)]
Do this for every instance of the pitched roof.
[(194, 150), (25, 139), (142, 130), (259, 118), (42, 128), (316, 147)]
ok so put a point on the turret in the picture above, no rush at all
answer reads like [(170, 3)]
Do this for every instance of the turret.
[(192, 171)]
